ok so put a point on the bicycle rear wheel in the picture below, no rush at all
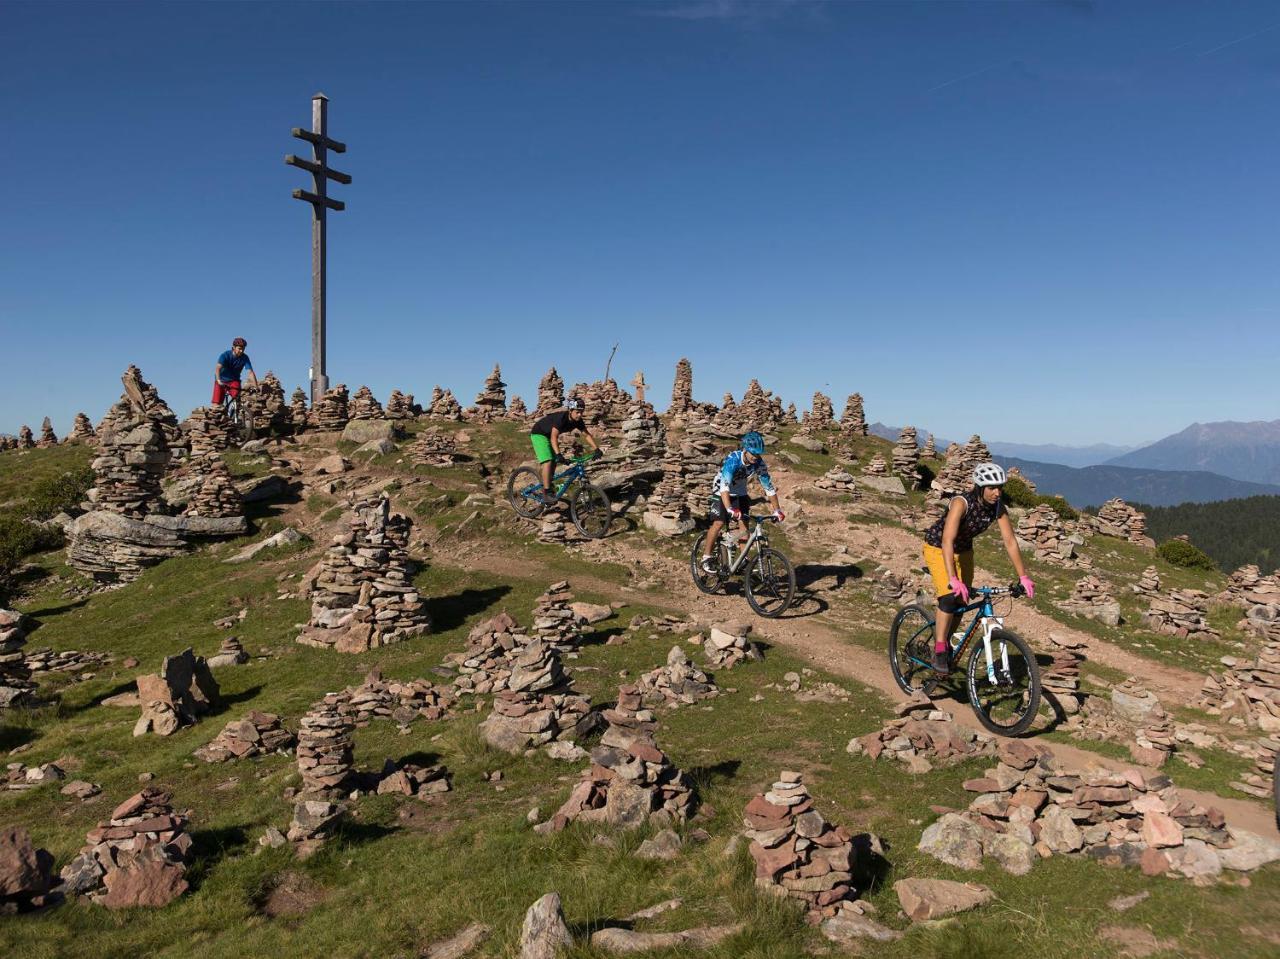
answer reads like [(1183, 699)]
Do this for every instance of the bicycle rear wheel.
[(1006, 700), (591, 511), (524, 489), (771, 583), (707, 582), (911, 649)]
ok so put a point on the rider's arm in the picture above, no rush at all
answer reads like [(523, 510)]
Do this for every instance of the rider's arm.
[(766, 484), (727, 469), (590, 439), (1011, 544), (949, 530), (248, 365), (555, 440), (217, 372)]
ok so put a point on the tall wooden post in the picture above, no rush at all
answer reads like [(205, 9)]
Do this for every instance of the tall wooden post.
[(321, 204)]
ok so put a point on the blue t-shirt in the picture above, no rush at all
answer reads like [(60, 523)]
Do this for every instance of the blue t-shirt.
[(232, 366), (735, 472)]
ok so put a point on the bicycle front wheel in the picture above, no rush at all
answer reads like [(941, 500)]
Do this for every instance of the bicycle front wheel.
[(911, 649), (771, 583), (1005, 695), (524, 489), (591, 511)]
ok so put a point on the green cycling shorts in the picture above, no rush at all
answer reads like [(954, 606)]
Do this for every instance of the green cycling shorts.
[(542, 447)]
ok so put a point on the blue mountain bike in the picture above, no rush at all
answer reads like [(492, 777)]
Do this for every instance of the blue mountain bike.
[(1002, 678), (589, 507)]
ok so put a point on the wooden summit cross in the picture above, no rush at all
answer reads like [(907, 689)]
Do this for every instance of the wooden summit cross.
[(321, 204)]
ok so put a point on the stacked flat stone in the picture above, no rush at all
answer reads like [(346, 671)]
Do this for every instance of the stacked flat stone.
[(364, 405), (1014, 473), (1117, 518), (728, 420), (256, 735), (266, 403), (550, 393), (48, 438), (1249, 589), (81, 431), (1247, 693), (797, 853), (15, 676), (434, 447), (679, 682), (324, 749), (667, 509), (682, 402), (412, 779), (526, 719), (447, 407), (298, 415), (1041, 529), (314, 821), (230, 653), (216, 494), (76, 664), (138, 858), (876, 466), (554, 622), (701, 463), (128, 470), (1182, 614), (491, 402), (760, 410), (492, 646), (26, 441), (837, 480), (930, 451), (332, 412), (906, 457), (1259, 782), (1092, 599), (727, 645), (975, 452), (822, 416), (399, 406), (401, 701), (1060, 678), (922, 736), (177, 696), (955, 477), (517, 412), (552, 528), (363, 596), (208, 431), (1031, 806), (1148, 583), (853, 422), (642, 438)]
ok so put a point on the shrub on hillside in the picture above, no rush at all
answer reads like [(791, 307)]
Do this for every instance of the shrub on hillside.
[(59, 494), (1018, 493), (1178, 552), (19, 538)]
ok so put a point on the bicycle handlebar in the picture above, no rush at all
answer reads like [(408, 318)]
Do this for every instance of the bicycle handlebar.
[(1015, 590)]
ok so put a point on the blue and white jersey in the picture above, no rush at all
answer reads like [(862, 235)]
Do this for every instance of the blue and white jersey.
[(734, 474)]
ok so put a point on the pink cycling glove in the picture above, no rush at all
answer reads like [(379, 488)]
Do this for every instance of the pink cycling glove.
[(1029, 586), (960, 589)]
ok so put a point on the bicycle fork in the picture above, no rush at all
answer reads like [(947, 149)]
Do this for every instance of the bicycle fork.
[(989, 625)]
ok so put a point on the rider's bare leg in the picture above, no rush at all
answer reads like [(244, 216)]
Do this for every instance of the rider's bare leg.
[(713, 537)]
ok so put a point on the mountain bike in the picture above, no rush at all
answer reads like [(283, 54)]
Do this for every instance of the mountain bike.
[(1002, 678), (769, 580), (589, 507), (239, 416)]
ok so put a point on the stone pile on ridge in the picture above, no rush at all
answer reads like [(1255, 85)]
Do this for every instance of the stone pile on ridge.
[(538, 705), (363, 595), (485, 665), (26, 441), (678, 682), (1117, 518), (216, 495), (256, 735), (128, 470), (399, 406), (434, 447), (48, 438), (82, 431), (298, 409), (642, 438), (1014, 473), (271, 413), (444, 405), (1060, 679), (930, 451), (906, 457), (822, 416), (1092, 599), (1041, 530), (1247, 693), (208, 431), (607, 404), (364, 405), (324, 749), (955, 477), (554, 622), (924, 735), (682, 402), (550, 393), (760, 410), (853, 422), (15, 676), (975, 452), (667, 510), (876, 466), (517, 411), (331, 413), (177, 696), (1148, 583), (837, 480), (491, 402), (1257, 595), (1181, 613), (727, 645), (137, 858)]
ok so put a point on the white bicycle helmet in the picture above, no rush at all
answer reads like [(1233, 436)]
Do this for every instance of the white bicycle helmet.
[(988, 474)]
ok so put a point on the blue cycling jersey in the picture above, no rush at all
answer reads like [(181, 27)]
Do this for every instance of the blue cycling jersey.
[(734, 474), (233, 366)]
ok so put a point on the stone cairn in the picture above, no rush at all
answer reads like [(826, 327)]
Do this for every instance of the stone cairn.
[(1148, 583), (1060, 679), (538, 705), (82, 431), (365, 406), (797, 853), (216, 494), (399, 406), (26, 441), (682, 401), (677, 683), (484, 666), (137, 858), (1259, 782), (324, 750), (552, 529), (822, 416), (331, 413), (411, 779), (877, 466), (128, 469), (298, 409), (1014, 473), (1092, 599), (230, 653), (401, 701), (517, 411), (758, 409), (727, 645), (491, 402), (906, 457), (930, 451), (208, 432), (177, 696), (256, 735), (1258, 596), (363, 595), (270, 412), (1182, 614), (1042, 530), (1117, 518), (15, 676), (630, 782), (444, 405), (606, 403), (48, 438), (1031, 806), (701, 462), (837, 480), (1247, 693), (955, 477), (75, 664), (550, 393), (554, 622), (434, 447), (667, 509), (854, 421), (922, 736)]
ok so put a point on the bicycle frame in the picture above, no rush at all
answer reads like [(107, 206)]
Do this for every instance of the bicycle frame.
[(570, 476), (988, 622), (758, 537)]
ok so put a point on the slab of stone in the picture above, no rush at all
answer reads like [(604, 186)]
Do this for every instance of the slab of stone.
[(544, 932), (459, 945), (924, 899)]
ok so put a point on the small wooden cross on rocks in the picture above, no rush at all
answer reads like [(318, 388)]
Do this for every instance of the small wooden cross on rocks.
[(638, 382)]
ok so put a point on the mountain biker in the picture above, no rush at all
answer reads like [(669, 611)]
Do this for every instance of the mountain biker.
[(545, 437), (729, 492), (226, 374), (948, 550)]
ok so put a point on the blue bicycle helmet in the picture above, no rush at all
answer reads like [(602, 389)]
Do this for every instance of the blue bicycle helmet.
[(753, 443)]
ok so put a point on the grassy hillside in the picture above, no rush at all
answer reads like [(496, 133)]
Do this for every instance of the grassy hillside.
[(1234, 532)]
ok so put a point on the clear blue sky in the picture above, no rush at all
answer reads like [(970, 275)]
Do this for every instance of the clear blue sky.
[(1045, 222)]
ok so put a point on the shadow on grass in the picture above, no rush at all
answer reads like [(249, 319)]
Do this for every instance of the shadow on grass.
[(601, 637), (809, 573), (705, 777), (227, 700), (37, 615), (11, 737), (128, 686), (450, 612), (211, 846)]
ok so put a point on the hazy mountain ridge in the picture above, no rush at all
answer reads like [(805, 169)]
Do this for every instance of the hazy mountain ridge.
[(1243, 451), (1094, 485)]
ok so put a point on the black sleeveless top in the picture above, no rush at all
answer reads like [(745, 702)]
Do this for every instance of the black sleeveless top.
[(978, 515)]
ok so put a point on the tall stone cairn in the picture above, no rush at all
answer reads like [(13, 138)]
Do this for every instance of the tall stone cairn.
[(1117, 518), (491, 402), (701, 462), (682, 402), (854, 421), (434, 447), (298, 409), (129, 468), (484, 666), (270, 412), (930, 450), (1248, 693), (550, 393), (217, 494), (538, 705), (906, 457), (823, 415), (975, 452), (331, 413), (363, 596), (729, 419), (1060, 678), (1182, 613), (48, 437), (81, 431), (757, 410), (26, 441), (208, 431), (667, 510), (365, 406), (517, 411), (152, 406), (324, 749), (642, 438), (399, 406), (607, 403), (554, 622), (444, 405), (15, 676)]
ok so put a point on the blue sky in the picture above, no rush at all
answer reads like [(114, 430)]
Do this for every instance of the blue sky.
[(1039, 222)]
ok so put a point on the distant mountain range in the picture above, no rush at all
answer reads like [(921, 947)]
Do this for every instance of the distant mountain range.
[(1094, 485), (1243, 451), (1041, 453)]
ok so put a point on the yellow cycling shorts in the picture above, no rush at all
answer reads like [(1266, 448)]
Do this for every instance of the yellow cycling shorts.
[(938, 568)]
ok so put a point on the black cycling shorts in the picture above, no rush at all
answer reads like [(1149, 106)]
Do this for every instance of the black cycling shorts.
[(716, 510)]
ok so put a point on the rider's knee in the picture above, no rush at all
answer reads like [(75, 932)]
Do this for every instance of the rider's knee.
[(950, 603)]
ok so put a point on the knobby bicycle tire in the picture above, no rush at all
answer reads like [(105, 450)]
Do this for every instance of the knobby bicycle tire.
[(526, 507), (591, 511), (770, 564), (709, 583), (978, 662), (921, 642)]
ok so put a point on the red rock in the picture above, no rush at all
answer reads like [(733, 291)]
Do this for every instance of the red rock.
[(1031, 798), (150, 883), (24, 869), (770, 862), (981, 785), (1154, 862), (1159, 829), (132, 805), (1018, 754), (761, 808), (644, 751)]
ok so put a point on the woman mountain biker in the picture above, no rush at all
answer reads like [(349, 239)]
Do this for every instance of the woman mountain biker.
[(729, 492), (948, 550), (545, 437)]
